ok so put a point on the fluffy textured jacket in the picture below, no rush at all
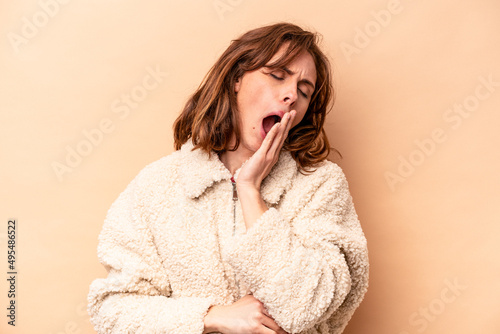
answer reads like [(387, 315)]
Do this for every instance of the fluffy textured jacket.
[(174, 243)]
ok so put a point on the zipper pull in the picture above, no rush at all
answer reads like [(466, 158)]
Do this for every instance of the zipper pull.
[(235, 192)]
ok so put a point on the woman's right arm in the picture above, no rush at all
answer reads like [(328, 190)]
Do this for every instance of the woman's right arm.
[(136, 295)]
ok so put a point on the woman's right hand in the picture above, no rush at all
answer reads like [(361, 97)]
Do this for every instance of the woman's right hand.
[(247, 315)]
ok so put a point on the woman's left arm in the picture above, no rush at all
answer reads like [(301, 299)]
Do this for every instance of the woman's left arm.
[(311, 267), (258, 167), (308, 268)]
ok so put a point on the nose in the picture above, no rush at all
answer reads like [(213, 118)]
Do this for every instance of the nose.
[(290, 95)]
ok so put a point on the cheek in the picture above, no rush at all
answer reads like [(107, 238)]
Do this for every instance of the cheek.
[(251, 96), (297, 120), (299, 116)]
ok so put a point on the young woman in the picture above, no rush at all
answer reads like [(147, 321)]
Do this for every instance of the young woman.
[(246, 227)]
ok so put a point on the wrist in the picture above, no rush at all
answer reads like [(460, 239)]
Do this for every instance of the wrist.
[(209, 322), (249, 195), (247, 188)]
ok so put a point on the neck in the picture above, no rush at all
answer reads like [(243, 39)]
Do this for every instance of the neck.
[(233, 160)]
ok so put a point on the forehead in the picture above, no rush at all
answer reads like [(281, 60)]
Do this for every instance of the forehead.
[(302, 64)]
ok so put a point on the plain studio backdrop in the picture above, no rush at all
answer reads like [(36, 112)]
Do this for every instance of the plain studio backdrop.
[(89, 91)]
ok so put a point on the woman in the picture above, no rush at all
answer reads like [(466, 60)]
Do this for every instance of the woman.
[(246, 228)]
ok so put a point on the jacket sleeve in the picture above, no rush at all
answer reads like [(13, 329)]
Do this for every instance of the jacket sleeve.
[(136, 295), (309, 267)]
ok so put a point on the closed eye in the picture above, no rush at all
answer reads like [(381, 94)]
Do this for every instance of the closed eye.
[(276, 77), (281, 79)]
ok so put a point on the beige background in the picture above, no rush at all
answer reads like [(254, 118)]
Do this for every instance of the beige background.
[(415, 119)]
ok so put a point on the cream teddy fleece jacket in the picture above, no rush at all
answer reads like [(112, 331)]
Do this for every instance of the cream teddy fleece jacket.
[(174, 243)]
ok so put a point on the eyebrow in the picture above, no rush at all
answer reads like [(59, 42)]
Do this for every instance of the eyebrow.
[(290, 72)]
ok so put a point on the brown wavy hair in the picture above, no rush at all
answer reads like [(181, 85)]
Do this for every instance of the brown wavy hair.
[(210, 114)]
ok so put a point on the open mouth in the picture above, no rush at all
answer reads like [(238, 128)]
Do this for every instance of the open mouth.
[(269, 121)]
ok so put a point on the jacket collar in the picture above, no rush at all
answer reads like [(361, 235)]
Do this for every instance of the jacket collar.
[(198, 172)]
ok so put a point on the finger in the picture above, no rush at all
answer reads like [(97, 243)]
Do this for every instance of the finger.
[(270, 136), (270, 323), (286, 123), (293, 113), (266, 330), (279, 136), (277, 330)]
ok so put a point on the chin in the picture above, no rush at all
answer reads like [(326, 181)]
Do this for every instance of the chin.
[(255, 145)]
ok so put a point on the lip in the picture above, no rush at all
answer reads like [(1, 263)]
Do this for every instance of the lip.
[(279, 113)]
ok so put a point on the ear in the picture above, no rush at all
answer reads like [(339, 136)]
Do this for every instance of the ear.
[(237, 85)]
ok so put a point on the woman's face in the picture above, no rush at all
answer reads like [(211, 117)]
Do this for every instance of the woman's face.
[(266, 94)]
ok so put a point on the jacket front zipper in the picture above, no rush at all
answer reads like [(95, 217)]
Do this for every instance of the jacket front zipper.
[(235, 198)]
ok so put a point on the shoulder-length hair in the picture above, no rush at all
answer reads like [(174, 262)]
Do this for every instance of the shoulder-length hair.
[(210, 115)]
